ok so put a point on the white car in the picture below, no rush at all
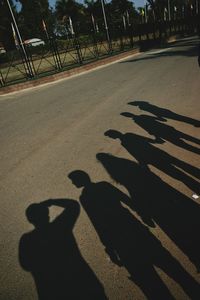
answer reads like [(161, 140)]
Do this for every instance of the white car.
[(2, 50), (34, 42)]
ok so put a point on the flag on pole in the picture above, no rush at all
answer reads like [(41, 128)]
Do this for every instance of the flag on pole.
[(165, 13), (124, 22), (142, 12), (45, 28), (15, 36), (93, 22), (97, 27), (128, 18), (71, 26)]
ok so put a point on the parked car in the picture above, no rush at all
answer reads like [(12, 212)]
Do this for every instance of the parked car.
[(2, 49), (34, 42)]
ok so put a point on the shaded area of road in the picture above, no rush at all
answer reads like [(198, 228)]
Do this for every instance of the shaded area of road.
[(176, 49)]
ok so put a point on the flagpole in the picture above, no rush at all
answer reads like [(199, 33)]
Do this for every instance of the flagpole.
[(30, 72), (145, 7), (93, 23), (145, 12), (105, 22), (169, 12)]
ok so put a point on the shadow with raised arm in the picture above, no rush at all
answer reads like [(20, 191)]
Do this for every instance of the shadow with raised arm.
[(50, 253)]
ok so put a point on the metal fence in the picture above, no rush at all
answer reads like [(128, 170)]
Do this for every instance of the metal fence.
[(56, 55)]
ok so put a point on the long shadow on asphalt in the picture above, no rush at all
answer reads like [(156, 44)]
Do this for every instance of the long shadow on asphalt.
[(163, 114), (146, 153), (163, 132), (126, 240), (50, 253), (155, 200)]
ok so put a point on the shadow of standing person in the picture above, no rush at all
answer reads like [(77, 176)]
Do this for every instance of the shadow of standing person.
[(143, 150), (164, 132), (128, 242), (164, 113), (125, 239), (176, 214), (51, 254)]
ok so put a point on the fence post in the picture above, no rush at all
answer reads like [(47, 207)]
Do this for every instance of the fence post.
[(130, 33), (78, 51), (27, 62), (95, 45), (56, 55), (2, 79), (121, 39)]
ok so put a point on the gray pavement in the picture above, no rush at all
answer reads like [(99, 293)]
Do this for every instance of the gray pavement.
[(50, 131)]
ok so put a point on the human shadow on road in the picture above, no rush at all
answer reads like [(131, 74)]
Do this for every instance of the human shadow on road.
[(163, 114), (143, 150), (51, 254), (127, 241), (176, 214), (164, 132)]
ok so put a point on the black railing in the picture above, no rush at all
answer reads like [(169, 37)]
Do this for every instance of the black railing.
[(55, 55)]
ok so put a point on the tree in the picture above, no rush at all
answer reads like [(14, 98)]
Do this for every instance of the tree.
[(31, 15), (6, 35), (72, 9)]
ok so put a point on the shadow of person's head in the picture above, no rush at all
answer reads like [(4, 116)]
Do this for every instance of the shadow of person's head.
[(140, 104), (113, 134), (79, 178), (127, 114), (133, 117), (38, 215)]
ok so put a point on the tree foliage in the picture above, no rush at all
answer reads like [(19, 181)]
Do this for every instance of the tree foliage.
[(119, 13), (6, 35), (31, 15)]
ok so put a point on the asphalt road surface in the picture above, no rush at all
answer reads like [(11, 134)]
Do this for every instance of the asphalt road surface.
[(135, 234)]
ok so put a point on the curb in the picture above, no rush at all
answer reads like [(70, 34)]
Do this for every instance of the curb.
[(65, 74)]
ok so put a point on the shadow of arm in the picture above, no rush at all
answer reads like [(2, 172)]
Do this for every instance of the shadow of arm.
[(70, 213)]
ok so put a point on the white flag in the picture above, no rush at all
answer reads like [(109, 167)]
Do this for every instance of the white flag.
[(14, 35), (128, 18), (124, 22), (71, 26)]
